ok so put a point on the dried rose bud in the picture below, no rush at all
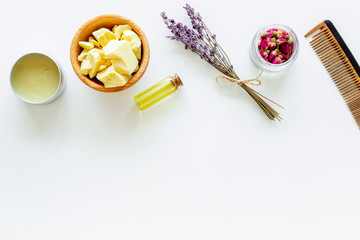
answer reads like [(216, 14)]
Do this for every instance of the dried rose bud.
[(272, 55), (272, 45), (266, 34), (286, 49), (270, 31), (284, 33), (276, 60), (283, 56), (264, 54), (264, 45), (281, 41)]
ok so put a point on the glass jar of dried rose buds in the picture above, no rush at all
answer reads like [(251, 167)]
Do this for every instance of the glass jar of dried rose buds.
[(274, 47)]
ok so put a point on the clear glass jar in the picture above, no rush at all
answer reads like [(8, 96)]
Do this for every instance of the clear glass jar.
[(260, 62)]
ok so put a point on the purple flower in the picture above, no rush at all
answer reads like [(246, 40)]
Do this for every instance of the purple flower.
[(199, 40), (196, 19)]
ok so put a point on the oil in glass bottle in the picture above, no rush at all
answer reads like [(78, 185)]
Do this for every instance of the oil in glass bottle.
[(157, 92)]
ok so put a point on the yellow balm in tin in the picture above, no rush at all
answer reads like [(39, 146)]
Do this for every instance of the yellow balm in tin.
[(36, 79)]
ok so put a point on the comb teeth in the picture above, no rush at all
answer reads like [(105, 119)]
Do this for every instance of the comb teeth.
[(339, 63)]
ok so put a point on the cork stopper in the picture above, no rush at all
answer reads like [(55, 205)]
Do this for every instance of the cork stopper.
[(177, 81)]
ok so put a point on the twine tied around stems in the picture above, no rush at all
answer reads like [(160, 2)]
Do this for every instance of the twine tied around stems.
[(232, 81), (268, 110)]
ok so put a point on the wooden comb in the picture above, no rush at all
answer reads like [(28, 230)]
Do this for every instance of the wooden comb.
[(339, 63)]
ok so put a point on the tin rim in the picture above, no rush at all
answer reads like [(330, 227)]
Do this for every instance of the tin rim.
[(59, 89)]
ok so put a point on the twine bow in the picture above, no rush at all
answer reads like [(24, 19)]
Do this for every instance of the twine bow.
[(232, 81)]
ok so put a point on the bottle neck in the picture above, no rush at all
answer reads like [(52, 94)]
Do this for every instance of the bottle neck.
[(176, 80)]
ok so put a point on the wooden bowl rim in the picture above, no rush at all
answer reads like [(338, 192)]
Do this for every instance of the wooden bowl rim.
[(144, 61)]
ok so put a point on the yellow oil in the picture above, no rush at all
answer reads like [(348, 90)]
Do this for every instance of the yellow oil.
[(35, 78), (155, 93)]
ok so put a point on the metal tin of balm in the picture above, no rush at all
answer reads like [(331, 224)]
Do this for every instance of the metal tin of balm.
[(37, 79)]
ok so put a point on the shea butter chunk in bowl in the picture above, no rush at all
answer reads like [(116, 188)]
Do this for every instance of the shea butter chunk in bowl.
[(109, 53)]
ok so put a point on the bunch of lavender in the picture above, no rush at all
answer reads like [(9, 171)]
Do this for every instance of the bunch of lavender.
[(201, 41)]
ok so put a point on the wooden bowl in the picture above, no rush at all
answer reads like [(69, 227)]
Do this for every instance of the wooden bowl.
[(107, 21)]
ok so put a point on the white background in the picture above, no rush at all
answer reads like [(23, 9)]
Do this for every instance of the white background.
[(204, 164)]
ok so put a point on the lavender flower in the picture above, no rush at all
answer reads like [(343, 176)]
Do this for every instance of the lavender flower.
[(199, 40)]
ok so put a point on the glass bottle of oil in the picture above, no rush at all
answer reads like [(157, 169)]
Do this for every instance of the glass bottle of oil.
[(157, 92)]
